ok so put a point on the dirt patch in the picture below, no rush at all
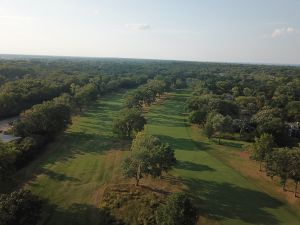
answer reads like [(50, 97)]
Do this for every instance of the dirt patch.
[(244, 154)]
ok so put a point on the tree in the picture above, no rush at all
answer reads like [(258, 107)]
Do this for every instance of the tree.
[(178, 210), (224, 107), (7, 160), (277, 164), (219, 124), (46, 119), (293, 109), (128, 122), (199, 116), (294, 167), (132, 167), (247, 91), (235, 91), (269, 120), (82, 95), (263, 146), (19, 208), (285, 163), (208, 130), (149, 156)]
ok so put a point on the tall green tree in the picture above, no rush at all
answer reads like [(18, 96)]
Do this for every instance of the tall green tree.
[(262, 147), (129, 121), (219, 124), (149, 156)]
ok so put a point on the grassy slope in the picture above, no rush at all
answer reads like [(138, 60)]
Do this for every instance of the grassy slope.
[(73, 168), (225, 195)]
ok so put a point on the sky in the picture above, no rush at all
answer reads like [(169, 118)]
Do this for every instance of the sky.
[(256, 31)]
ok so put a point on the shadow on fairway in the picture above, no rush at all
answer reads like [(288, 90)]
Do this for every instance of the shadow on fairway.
[(185, 165), (78, 214), (184, 143), (228, 143), (67, 147), (59, 176), (227, 201)]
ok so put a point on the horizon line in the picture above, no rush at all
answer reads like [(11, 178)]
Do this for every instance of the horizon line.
[(150, 59)]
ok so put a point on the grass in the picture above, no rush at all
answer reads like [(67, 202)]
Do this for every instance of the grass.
[(73, 169), (224, 194)]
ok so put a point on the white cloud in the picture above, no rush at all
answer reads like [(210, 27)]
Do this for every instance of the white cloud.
[(290, 30), (278, 32), (138, 26)]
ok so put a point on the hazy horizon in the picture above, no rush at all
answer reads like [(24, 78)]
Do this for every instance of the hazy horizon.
[(256, 32), (15, 56)]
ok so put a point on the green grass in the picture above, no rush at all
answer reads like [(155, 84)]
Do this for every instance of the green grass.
[(73, 168), (223, 193)]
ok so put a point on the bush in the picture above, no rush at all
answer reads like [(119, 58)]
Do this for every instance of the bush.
[(19, 208), (178, 210), (28, 148)]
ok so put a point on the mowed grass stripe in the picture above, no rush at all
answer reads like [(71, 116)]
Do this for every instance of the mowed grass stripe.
[(74, 167), (224, 194)]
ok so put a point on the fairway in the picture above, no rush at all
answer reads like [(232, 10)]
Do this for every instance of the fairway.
[(73, 168), (224, 194)]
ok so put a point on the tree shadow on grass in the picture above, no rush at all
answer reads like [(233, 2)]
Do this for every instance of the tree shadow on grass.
[(166, 123), (226, 201), (228, 143), (184, 143), (156, 190), (77, 214), (67, 147), (59, 176), (186, 165)]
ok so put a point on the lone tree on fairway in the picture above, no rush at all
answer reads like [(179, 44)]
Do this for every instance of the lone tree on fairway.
[(178, 210), (149, 156), (128, 122), (263, 146)]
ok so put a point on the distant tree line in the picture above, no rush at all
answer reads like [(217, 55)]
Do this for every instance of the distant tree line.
[(19, 95)]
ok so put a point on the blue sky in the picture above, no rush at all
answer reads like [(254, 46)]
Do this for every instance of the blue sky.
[(264, 31)]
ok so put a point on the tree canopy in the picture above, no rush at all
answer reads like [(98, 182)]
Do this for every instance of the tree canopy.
[(149, 156)]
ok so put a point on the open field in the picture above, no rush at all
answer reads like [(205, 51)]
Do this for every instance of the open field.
[(224, 194)]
